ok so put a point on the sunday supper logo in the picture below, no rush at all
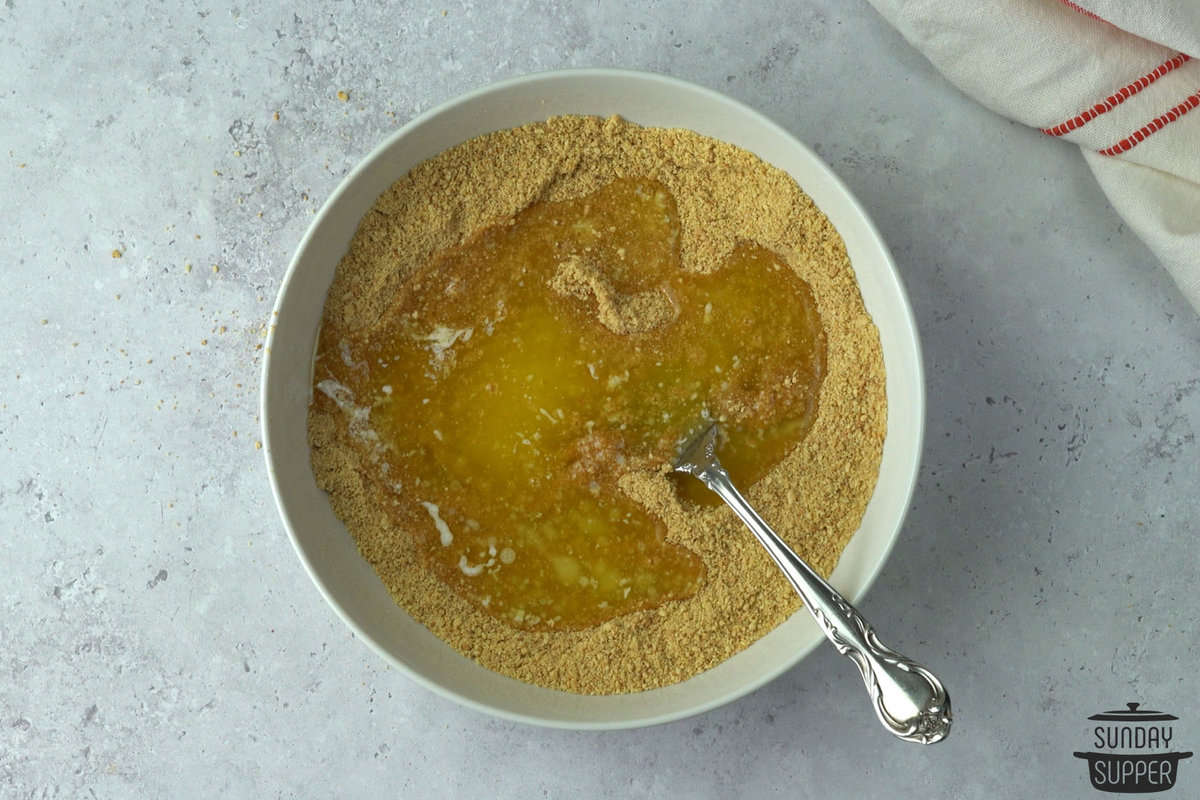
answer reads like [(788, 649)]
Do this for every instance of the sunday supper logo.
[(1132, 751)]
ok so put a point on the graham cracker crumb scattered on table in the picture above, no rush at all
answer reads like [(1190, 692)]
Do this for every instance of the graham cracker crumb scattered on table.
[(814, 498)]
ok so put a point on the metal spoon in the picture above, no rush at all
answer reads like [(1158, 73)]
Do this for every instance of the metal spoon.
[(909, 700)]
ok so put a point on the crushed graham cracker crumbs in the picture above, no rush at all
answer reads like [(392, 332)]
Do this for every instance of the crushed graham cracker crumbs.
[(622, 314), (814, 498)]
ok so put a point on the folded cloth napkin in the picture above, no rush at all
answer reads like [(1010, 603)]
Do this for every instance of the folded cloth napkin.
[(1120, 79)]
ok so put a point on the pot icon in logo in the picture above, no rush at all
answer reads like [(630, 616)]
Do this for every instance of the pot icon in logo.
[(1133, 751)]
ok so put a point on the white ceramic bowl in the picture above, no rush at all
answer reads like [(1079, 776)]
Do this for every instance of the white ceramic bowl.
[(326, 548)]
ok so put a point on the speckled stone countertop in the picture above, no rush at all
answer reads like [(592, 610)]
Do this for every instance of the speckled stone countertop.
[(159, 638)]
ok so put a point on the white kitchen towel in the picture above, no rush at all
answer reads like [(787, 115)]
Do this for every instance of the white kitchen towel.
[(1121, 79)]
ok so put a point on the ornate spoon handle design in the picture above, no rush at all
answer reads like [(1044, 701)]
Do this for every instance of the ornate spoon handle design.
[(909, 700)]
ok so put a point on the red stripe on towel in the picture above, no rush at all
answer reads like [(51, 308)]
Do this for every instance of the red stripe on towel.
[(1153, 126), (1082, 10), (1120, 96)]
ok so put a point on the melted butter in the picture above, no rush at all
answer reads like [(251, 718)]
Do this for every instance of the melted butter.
[(501, 405)]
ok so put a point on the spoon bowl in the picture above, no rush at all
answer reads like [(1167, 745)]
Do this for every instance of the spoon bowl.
[(327, 551)]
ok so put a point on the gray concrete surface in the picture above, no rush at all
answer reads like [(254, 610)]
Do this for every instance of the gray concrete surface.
[(159, 638)]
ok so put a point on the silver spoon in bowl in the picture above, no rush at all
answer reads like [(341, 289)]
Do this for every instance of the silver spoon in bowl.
[(909, 700)]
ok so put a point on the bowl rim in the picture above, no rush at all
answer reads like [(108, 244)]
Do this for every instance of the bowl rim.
[(367, 162)]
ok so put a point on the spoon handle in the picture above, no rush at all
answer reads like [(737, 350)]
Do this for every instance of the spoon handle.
[(909, 700)]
